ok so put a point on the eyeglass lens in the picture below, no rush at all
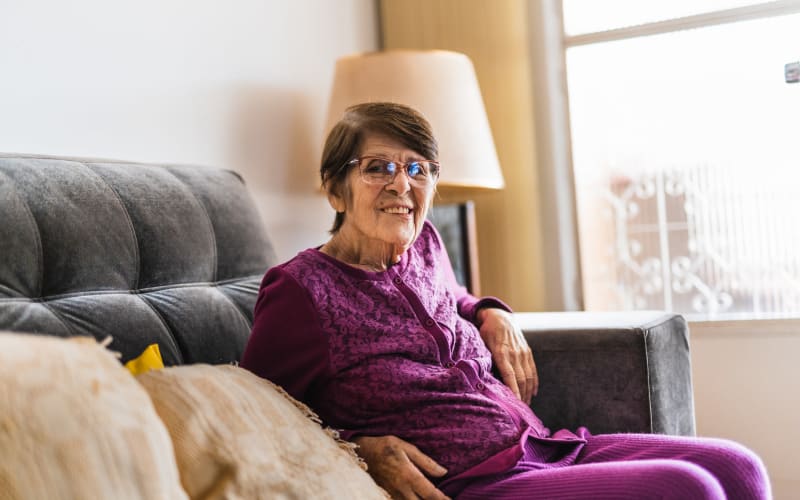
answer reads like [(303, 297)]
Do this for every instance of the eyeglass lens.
[(383, 171)]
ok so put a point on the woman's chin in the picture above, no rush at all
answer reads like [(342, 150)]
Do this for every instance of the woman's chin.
[(401, 231), (400, 242)]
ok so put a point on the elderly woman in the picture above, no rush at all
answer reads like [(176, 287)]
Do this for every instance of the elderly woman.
[(373, 332)]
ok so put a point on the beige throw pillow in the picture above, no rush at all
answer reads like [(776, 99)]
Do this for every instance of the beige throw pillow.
[(74, 424), (238, 436)]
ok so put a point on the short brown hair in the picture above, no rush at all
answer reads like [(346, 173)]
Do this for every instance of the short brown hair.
[(345, 139)]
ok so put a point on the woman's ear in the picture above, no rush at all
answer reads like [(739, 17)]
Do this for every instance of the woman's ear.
[(336, 202)]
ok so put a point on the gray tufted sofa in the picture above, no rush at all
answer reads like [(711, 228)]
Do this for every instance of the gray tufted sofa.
[(175, 255), (144, 253)]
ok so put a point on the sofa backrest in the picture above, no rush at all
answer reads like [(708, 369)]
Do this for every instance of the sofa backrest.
[(144, 253)]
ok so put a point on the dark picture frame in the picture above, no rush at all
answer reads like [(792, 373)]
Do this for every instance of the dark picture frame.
[(456, 224)]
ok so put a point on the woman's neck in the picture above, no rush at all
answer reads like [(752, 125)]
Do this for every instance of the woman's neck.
[(375, 257)]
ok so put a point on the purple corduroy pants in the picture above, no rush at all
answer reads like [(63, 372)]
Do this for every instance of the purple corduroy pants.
[(627, 466)]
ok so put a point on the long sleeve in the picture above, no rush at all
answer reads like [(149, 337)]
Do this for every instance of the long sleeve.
[(286, 345), (467, 303)]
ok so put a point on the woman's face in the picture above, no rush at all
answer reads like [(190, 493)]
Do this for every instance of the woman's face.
[(384, 216)]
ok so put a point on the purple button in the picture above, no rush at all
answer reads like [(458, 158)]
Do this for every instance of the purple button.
[(480, 386)]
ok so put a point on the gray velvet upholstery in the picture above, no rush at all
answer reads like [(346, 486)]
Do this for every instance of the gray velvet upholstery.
[(612, 372), (175, 255), (144, 253)]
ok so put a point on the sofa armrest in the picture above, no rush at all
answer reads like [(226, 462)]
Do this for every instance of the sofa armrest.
[(612, 372)]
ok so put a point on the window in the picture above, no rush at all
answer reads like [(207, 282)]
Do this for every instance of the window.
[(592, 16), (684, 152)]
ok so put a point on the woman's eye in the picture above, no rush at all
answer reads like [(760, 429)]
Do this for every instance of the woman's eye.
[(415, 170), (376, 167)]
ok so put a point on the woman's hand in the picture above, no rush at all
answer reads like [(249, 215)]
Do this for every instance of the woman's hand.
[(510, 352), (399, 467)]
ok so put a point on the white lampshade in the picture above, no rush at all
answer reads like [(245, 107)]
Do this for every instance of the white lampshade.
[(443, 87)]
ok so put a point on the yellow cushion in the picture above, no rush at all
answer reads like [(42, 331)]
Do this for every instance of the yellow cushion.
[(150, 359), (239, 436), (75, 424)]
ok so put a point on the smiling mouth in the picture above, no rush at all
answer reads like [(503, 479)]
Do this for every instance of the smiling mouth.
[(397, 210)]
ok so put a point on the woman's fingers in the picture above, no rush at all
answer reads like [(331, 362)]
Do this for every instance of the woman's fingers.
[(528, 378), (424, 464), (533, 376), (508, 374), (422, 461), (524, 381), (520, 376), (510, 353), (397, 466)]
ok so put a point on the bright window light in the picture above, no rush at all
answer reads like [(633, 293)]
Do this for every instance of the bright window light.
[(687, 167)]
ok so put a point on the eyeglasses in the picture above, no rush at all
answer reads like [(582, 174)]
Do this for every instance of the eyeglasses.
[(377, 170)]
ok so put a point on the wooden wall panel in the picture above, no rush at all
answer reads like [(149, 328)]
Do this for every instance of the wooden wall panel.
[(494, 34)]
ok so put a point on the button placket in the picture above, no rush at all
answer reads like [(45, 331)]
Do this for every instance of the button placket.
[(430, 324)]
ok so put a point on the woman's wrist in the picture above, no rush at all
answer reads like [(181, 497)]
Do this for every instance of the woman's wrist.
[(480, 315)]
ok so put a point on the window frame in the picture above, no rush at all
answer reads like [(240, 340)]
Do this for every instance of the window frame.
[(549, 44)]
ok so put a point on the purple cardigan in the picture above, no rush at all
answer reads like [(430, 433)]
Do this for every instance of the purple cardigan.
[(394, 352)]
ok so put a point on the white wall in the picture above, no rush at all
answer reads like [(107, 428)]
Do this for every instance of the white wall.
[(241, 84), (747, 388)]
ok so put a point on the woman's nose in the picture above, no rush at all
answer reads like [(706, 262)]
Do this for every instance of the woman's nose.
[(400, 183)]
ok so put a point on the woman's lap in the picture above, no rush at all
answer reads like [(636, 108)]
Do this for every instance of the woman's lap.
[(635, 466)]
